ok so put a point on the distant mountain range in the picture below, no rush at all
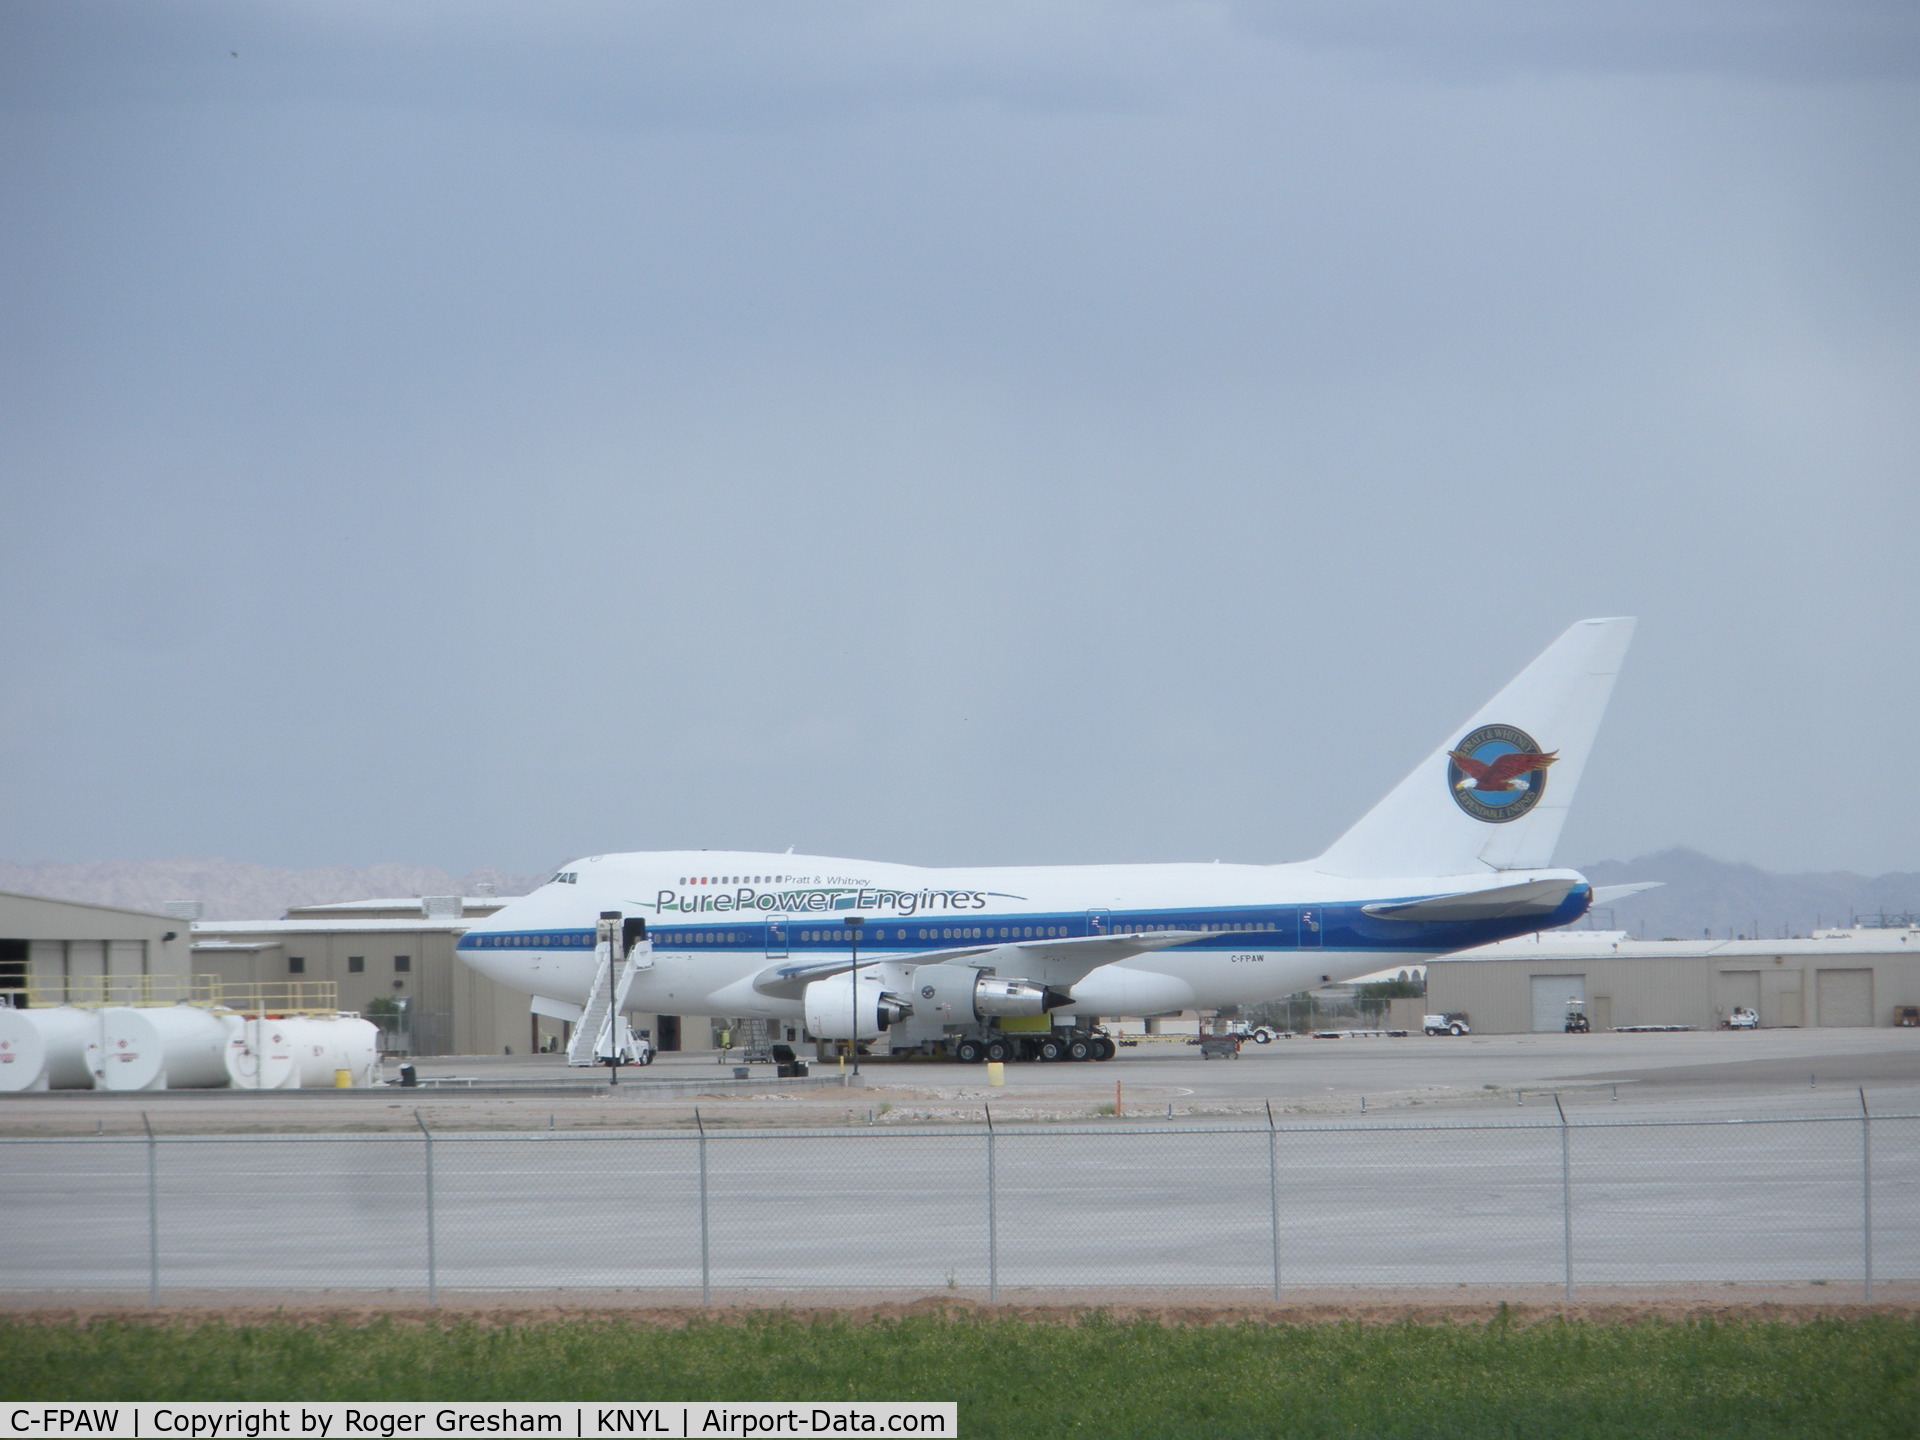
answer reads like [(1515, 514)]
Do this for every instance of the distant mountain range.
[(1701, 894), (1704, 896), (237, 890)]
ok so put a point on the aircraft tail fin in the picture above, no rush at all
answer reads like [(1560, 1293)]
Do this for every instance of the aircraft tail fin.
[(1476, 802)]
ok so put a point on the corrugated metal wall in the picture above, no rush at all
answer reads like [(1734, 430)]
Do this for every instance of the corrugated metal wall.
[(1518, 996)]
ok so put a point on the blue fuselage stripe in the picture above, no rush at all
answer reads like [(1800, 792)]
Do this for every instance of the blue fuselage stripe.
[(1272, 927)]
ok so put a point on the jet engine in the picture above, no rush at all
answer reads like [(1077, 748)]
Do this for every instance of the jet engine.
[(960, 995), (838, 1009)]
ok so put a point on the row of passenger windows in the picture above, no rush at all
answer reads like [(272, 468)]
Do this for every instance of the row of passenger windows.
[(945, 932), (1262, 925), (994, 932), (876, 935)]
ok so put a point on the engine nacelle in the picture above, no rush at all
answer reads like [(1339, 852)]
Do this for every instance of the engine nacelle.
[(961, 995), (837, 1009), (994, 996)]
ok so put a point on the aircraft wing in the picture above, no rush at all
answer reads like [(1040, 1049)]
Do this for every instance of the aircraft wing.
[(1057, 963), (1530, 897)]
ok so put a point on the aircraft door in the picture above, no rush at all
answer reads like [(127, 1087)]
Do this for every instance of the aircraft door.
[(1099, 922), (776, 937), (1309, 927)]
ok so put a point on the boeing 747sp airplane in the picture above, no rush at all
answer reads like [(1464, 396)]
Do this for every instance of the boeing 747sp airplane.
[(1007, 963)]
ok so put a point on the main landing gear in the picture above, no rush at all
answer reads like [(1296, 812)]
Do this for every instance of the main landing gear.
[(973, 1049)]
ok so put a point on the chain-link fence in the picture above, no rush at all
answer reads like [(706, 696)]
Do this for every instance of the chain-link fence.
[(974, 1210)]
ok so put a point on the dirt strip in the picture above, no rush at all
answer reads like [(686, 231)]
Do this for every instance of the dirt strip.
[(1388, 1309)]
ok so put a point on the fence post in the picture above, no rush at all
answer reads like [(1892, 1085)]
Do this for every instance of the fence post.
[(706, 1275), (433, 1258), (993, 1218), (1566, 1197), (153, 1212), (1273, 1195), (1866, 1193)]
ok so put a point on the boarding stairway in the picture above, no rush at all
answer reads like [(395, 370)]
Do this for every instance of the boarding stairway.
[(602, 1033)]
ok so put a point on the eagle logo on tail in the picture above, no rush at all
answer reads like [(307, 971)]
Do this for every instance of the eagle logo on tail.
[(1507, 772), (1498, 773)]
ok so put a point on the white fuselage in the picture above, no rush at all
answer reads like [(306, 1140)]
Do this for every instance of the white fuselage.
[(719, 919)]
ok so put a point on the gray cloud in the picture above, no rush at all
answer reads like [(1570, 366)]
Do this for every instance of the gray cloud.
[(478, 435), (1796, 40)]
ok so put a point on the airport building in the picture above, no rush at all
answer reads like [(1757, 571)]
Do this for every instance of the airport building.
[(1853, 977), (54, 949), (393, 961)]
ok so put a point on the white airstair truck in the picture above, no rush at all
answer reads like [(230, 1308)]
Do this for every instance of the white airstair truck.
[(601, 1034)]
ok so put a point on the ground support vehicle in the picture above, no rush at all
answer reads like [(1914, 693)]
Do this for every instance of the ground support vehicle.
[(1577, 1023), (1259, 1034), (1219, 1047), (1454, 1022), (1742, 1019)]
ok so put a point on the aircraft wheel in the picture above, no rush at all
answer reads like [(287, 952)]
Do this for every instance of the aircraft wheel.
[(1051, 1049), (999, 1050), (1078, 1049), (1104, 1048), (969, 1051)]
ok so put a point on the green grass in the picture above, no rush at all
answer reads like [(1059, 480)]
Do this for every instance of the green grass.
[(1560, 1379)]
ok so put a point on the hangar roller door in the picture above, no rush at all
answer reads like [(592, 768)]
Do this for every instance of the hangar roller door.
[(1845, 997), (1550, 996)]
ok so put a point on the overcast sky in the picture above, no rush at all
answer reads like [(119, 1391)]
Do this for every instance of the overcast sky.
[(967, 432)]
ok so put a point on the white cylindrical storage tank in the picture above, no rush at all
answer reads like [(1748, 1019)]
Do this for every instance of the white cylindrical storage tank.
[(124, 1053), (323, 1044), (46, 1049), (23, 1054), (177, 1047), (259, 1053)]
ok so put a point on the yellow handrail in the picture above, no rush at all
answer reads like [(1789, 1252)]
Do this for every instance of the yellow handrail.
[(273, 997), (278, 997)]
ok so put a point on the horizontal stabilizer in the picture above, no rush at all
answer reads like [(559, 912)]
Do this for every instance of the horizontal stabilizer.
[(1610, 894), (1535, 897)]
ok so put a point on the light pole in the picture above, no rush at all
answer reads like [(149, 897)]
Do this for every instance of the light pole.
[(854, 922), (614, 937)]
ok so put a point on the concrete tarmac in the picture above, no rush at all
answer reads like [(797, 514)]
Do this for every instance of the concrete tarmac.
[(1727, 1074), (1374, 1202), (1726, 1160)]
